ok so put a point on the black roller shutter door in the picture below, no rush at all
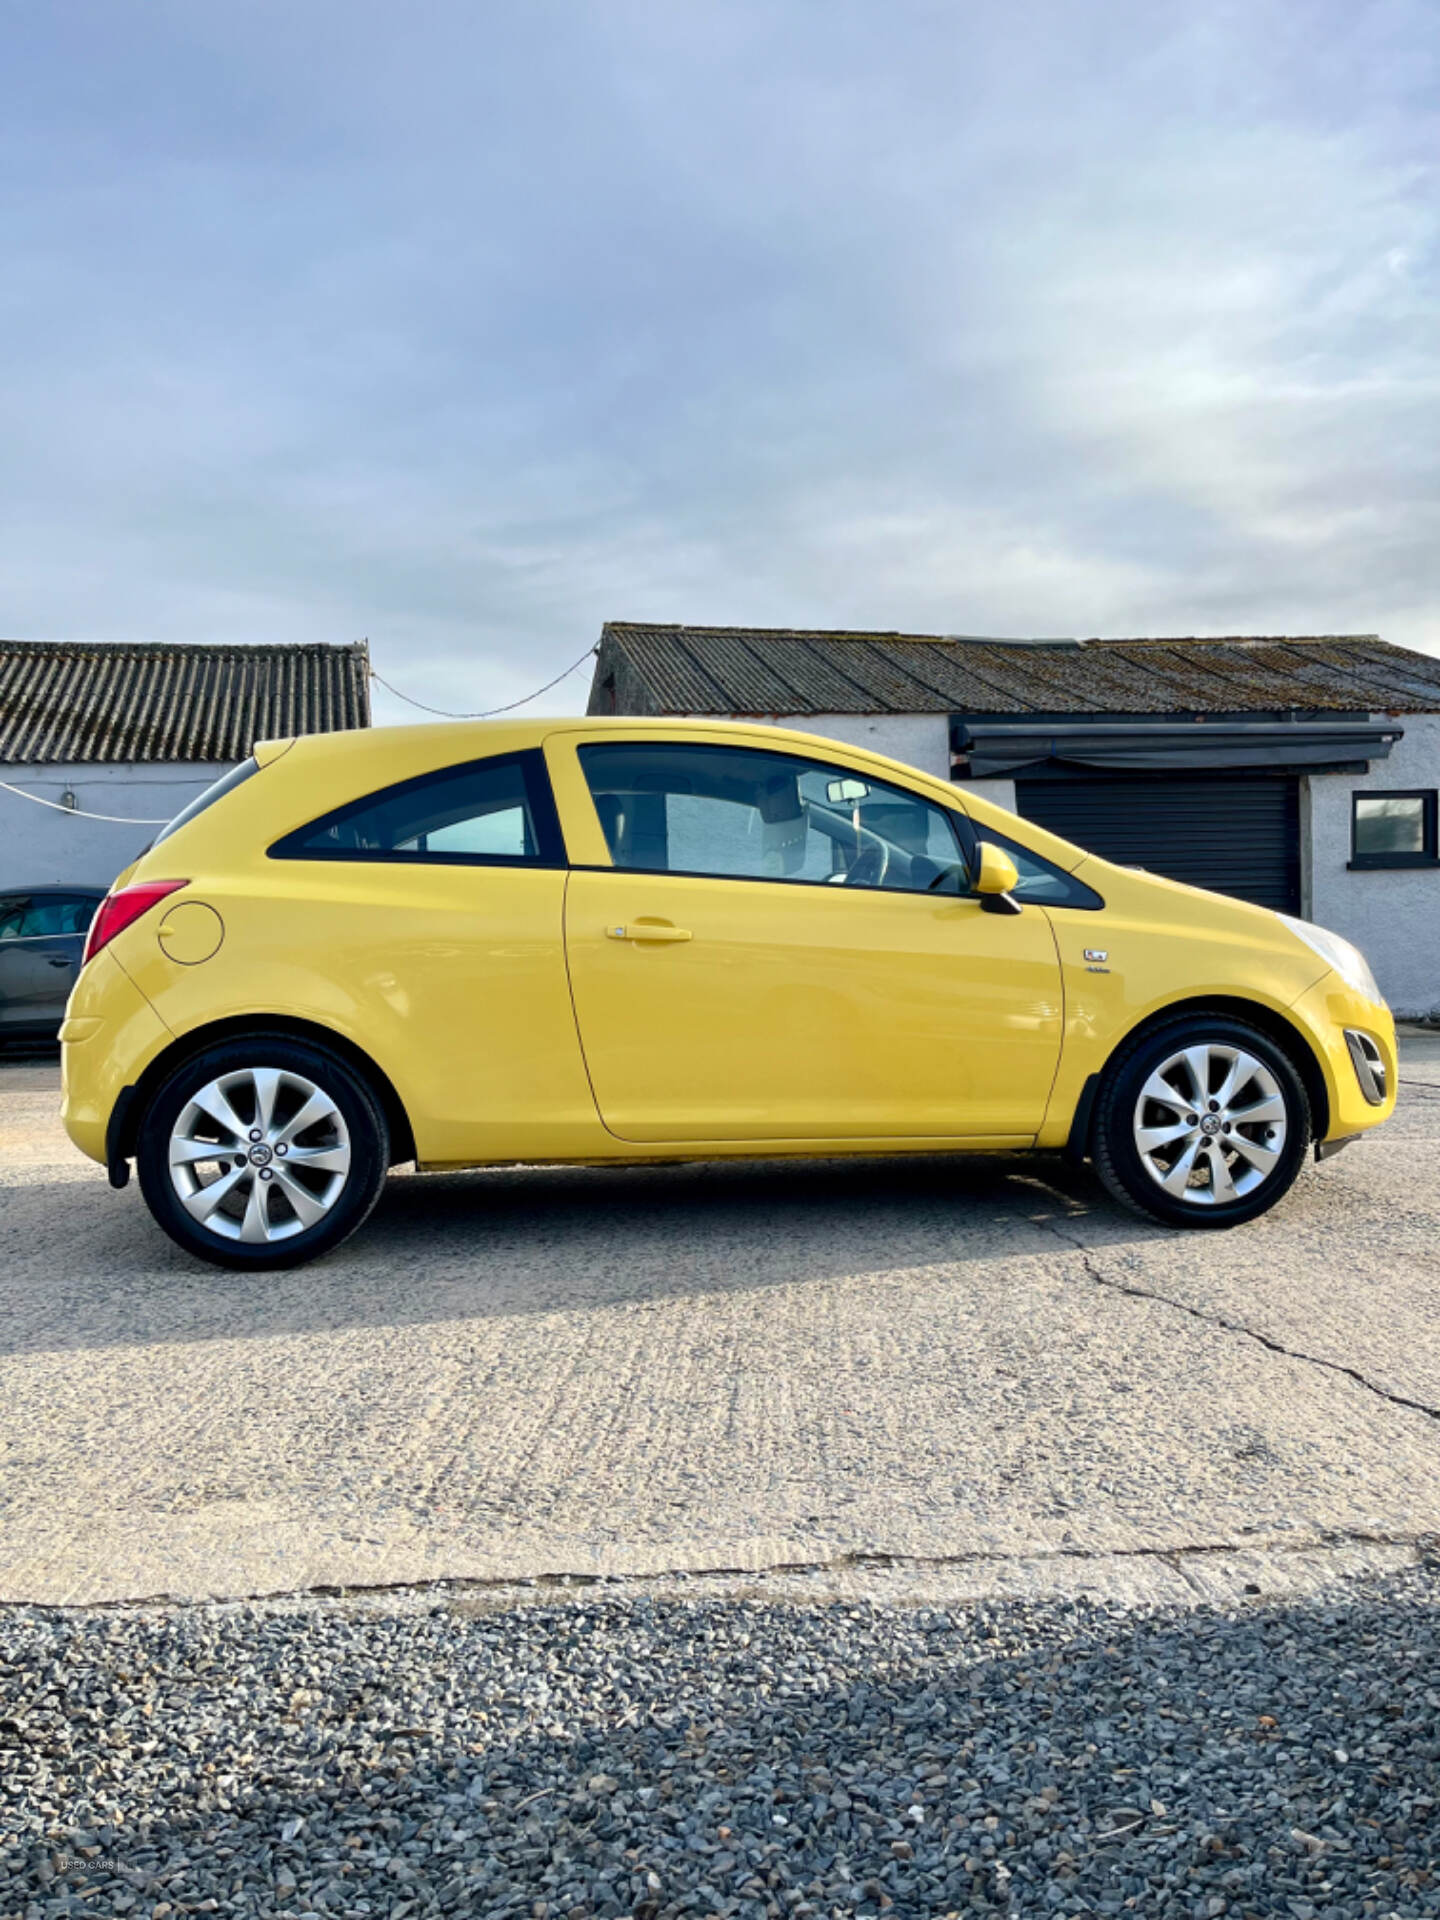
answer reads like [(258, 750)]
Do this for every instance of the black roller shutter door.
[(1233, 835)]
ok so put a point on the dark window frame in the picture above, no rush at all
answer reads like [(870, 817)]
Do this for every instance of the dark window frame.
[(1082, 898), (544, 817), (1429, 856)]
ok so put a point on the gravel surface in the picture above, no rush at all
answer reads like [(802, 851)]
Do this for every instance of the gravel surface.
[(653, 1756)]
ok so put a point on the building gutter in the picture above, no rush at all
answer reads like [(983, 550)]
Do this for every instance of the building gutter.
[(990, 749)]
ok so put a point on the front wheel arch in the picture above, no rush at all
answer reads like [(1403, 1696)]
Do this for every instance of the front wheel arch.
[(1283, 1032), (125, 1129)]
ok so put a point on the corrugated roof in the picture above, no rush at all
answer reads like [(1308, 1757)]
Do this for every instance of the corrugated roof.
[(63, 700), (770, 670)]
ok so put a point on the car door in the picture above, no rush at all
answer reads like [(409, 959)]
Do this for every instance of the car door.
[(784, 948), (16, 967), (54, 932)]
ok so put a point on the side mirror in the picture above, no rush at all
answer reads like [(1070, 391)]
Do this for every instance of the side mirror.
[(996, 879)]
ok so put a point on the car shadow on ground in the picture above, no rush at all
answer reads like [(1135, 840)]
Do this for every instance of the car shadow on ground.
[(536, 1240)]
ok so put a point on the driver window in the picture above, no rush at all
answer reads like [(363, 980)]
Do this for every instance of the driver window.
[(749, 814)]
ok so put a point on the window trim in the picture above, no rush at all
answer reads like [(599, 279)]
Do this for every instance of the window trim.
[(771, 880), (1429, 856), (543, 813)]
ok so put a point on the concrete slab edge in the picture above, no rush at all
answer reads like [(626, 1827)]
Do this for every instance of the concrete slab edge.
[(1222, 1575)]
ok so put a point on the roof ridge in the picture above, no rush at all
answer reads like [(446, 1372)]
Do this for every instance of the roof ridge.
[(1235, 640), (894, 634), (264, 648), (774, 633)]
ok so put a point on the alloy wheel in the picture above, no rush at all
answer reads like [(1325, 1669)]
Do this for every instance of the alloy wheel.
[(1210, 1124), (259, 1155)]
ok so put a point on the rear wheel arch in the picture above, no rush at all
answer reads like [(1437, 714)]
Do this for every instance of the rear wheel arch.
[(1275, 1026), (126, 1129)]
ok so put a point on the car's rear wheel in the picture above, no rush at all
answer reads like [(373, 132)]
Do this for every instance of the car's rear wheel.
[(1202, 1122), (262, 1151)]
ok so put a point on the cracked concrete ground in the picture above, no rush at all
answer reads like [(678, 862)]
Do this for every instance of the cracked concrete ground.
[(978, 1371)]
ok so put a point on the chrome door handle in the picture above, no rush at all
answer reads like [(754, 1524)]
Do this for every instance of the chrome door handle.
[(642, 932)]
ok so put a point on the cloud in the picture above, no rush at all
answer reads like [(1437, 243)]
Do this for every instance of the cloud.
[(465, 329)]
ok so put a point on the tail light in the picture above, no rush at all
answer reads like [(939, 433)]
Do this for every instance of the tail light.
[(117, 910)]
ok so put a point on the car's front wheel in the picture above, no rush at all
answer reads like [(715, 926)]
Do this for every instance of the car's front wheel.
[(1202, 1122), (262, 1151)]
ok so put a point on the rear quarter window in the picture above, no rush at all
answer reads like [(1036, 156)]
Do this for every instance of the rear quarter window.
[(493, 812)]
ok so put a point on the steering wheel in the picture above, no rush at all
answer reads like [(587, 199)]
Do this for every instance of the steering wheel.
[(871, 865)]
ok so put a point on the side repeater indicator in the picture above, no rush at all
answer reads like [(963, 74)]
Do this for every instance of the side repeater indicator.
[(1095, 958)]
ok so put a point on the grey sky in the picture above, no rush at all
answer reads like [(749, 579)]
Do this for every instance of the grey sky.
[(467, 325)]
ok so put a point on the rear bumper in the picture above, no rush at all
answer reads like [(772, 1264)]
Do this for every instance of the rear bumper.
[(110, 1035)]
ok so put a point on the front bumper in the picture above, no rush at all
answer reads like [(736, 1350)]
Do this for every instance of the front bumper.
[(1329, 1012)]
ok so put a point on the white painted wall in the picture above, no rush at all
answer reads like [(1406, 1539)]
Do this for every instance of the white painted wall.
[(918, 739), (1393, 914), (39, 846)]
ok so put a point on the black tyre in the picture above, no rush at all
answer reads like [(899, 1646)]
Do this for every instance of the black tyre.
[(262, 1151), (1203, 1122)]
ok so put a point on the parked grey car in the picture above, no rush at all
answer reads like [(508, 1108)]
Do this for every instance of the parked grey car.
[(42, 942)]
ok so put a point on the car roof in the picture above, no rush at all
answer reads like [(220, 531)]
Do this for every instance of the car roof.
[(496, 736), (453, 741)]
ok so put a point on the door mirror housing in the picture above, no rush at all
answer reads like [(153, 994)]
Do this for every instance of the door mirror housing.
[(996, 877)]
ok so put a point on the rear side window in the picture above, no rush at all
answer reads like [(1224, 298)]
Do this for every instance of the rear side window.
[(485, 813), (12, 915), (227, 783)]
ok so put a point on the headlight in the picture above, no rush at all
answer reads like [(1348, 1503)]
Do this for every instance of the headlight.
[(1351, 965)]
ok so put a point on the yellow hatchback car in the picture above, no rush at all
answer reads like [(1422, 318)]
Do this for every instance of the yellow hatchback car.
[(625, 940)]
